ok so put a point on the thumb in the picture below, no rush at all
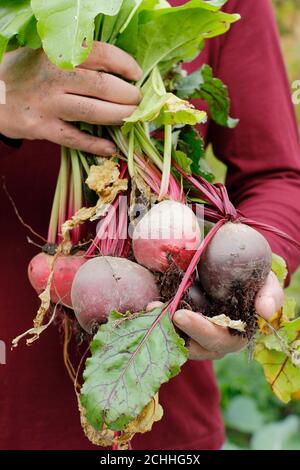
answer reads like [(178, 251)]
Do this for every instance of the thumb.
[(269, 298)]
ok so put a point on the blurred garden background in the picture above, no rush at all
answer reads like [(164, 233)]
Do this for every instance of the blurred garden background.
[(254, 417)]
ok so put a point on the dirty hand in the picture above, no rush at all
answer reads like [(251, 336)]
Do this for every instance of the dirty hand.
[(42, 100), (209, 341)]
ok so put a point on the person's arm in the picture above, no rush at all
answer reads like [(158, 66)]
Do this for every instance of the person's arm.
[(262, 153)]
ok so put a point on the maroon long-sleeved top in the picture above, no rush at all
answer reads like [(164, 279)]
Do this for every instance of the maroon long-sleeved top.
[(38, 406)]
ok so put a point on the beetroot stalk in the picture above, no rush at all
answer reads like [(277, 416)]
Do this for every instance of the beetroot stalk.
[(130, 156), (84, 162), (64, 185), (100, 241), (189, 272), (149, 173), (53, 224), (71, 201), (167, 162), (78, 197)]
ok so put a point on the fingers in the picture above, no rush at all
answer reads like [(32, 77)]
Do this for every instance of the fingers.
[(110, 58), (101, 85), (78, 108), (65, 134), (198, 353), (270, 298), (209, 336)]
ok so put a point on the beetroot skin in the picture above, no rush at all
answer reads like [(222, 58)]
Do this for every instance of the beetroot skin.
[(233, 268), (237, 255), (65, 268), (106, 283), (169, 231)]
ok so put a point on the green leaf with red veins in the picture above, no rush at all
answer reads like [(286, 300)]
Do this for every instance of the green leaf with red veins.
[(132, 356), (280, 371)]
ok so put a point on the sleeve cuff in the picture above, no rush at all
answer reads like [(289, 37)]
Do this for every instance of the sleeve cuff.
[(14, 143)]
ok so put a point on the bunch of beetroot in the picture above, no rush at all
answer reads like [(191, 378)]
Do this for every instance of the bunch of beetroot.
[(220, 273), (158, 162)]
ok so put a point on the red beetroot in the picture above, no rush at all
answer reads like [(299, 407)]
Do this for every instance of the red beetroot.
[(169, 228), (106, 283), (65, 268), (238, 257)]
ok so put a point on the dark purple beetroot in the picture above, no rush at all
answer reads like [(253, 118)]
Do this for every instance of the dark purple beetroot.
[(232, 269)]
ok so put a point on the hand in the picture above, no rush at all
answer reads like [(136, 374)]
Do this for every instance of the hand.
[(42, 100), (209, 341)]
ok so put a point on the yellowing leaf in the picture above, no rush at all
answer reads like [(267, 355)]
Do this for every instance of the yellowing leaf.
[(79, 218), (102, 176), (45, 298), (104, 180), (279, 319), (279, 267), (152, 413), (296, 396), (282, 375), (289, 308), (226, 322), (103, 438), (275, 321)]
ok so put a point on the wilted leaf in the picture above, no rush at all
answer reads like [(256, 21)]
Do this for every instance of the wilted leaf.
[(104, 180), (152, 413), (226, 322), (102, 438), (163, 107), (267, 327), (131, 357), (103, 176), (34, 332), (279, 319), (45, 298), (79, 218), (176, 111)]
